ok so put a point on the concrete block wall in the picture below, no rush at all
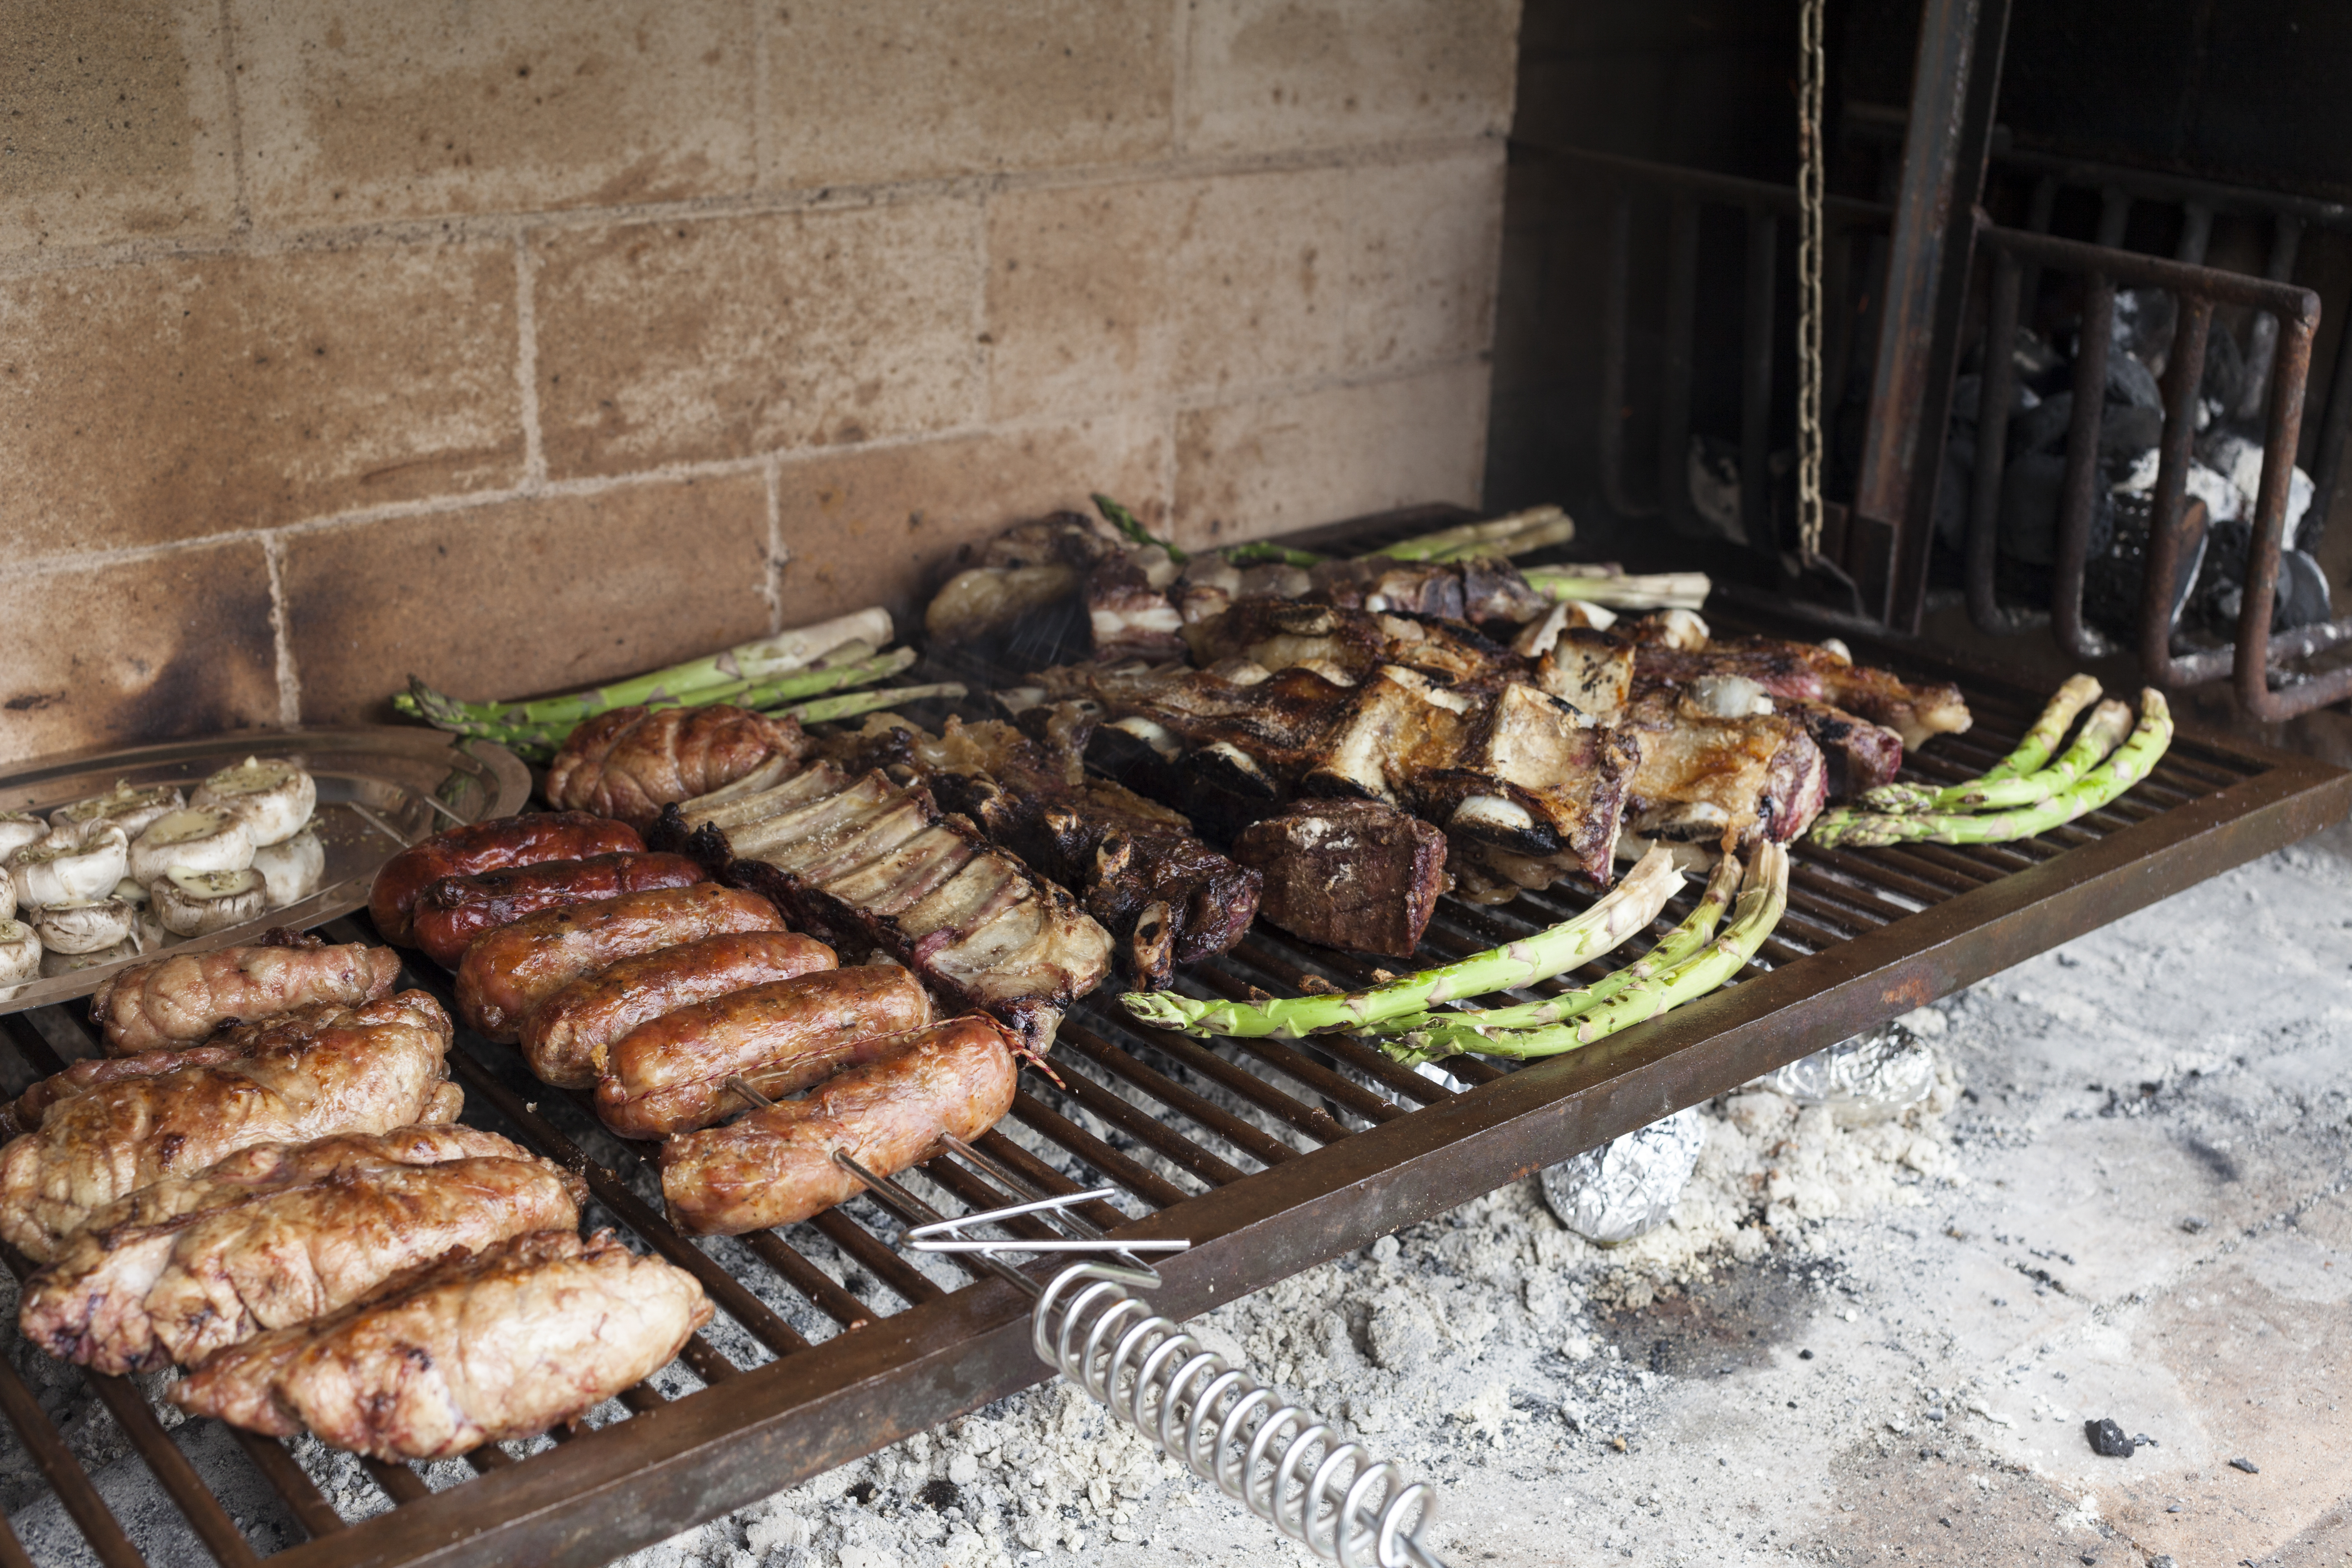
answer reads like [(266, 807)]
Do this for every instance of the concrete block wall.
[(531, 343)]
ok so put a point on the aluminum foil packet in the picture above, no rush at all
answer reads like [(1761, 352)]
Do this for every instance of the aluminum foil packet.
[(1872, 1077), (1629, 1185)]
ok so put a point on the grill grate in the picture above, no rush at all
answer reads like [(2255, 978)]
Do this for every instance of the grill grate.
[(1271, 1155)]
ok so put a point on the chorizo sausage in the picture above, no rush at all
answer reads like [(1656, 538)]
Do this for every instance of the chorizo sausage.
[(481, 846), (567, 1038), (510, 971), (453, 911), (671, 1075), (775, 1165)]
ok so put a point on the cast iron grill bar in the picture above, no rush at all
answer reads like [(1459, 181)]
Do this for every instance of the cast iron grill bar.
[(1102, 1216), (12, 1551), (1155, 1190), (828, 1296), (1262, 1147), (398, 1482), (170, 1467), (290, 1481), (64, 1472), (1164, 1140), (856, 1244)]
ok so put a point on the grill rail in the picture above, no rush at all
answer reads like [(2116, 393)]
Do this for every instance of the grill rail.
[(1269, 1155)]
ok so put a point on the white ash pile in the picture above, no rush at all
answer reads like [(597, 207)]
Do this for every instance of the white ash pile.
[(1480, 1326)]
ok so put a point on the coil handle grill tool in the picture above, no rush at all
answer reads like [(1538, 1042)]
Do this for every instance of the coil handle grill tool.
[(1219, 1421)]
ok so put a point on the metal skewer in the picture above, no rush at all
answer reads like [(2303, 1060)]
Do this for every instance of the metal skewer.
[(1217, 1420)]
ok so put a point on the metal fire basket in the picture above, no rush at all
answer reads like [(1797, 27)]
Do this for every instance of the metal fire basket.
[(1270, 1156)]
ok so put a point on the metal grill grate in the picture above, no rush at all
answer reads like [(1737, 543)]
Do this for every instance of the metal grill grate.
[(1271, 1155)]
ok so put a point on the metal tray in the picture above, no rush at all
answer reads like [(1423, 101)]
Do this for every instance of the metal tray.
[(381, 788), (1270, 1155)]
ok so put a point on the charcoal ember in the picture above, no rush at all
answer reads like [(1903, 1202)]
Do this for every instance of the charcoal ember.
[(1872, 1077), (1629, 1185), (2248, 1466), (2109, 1440), (1354, 874), (2113, 578)]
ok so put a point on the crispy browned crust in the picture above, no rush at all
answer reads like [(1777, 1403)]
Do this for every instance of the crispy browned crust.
[(507, 972), (568, 1039), (453, 911), (505, 1342), (381, 1067), (278, 1233), (481, 846), (632, 762), (183, 998), (671, 1075), (775, 1166), (1347, 874)]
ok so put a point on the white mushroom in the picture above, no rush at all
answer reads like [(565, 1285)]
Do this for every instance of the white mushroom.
[(291, 870), (51, 872), (130, 809), (20, 956), (1681, 630), (273, 796), (86, 926), (132, 891), (55, 963), (194, 838), (192, 903), (7, 897), (18, 829)]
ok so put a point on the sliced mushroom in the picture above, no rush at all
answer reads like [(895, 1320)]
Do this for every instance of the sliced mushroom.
[(291, 870), (86, 926), (7, 897), (148, 933), (55, 963), (192, 903), (52, 872), (20, 956), (273, 796), (194, 838), (130, 809), (132, 891)]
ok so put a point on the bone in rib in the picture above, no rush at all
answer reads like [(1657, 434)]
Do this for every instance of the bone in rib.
[(866, 864), (1136, 866)]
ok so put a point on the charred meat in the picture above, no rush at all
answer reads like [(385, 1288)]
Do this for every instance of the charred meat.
[(630, 762), (1137, 866), (868, 865), (279, 1234), (1348, 873), (183, 998), (381, 1067), (503, 1343)]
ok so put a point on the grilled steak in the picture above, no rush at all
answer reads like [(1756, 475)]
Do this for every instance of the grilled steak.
[(1791, 672), (505, 1342), (1348, 873), (866, 864)]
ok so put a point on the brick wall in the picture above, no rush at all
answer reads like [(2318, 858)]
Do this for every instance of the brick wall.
[(526, 343)]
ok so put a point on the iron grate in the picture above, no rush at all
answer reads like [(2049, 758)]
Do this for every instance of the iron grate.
[(1271, 1155)]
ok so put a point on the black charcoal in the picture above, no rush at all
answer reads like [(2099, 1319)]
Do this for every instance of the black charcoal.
[(2109, 1440)]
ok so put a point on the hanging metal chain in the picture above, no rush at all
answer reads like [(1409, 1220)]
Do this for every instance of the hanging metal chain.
[(1811, 70)]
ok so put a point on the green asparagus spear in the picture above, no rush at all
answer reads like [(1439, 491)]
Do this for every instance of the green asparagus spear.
[(1127, 522), (2130, 763), (2032, 755), (1632, 905), (1516, 534), (1662, 591), (537, 741), (1673, 948), (1259, 553), (1659, 990), (849, 704)]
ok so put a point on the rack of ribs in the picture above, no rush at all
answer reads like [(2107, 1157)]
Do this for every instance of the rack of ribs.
[(1136, 866), (866, 864)]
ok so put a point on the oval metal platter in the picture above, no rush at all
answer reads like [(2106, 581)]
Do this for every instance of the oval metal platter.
[(381, 788)]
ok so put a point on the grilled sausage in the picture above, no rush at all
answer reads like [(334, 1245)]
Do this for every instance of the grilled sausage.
[(632, 762), (510, 971), (568, 1037), (775, 1166), (671, 1075), (481, 846), (182, 998), (453, 911)]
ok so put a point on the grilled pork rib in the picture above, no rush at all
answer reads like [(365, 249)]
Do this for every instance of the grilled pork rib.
[(1137, 866), (505, 1342), (276, 1235), (1796, 672), (380, 1067), (864, 864)]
